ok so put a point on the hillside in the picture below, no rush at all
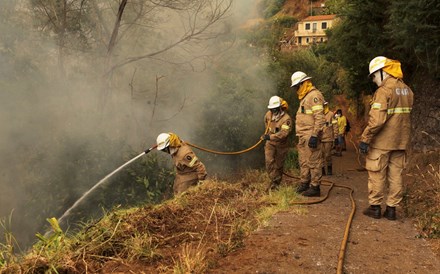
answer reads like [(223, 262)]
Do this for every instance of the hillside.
[(224, 227)]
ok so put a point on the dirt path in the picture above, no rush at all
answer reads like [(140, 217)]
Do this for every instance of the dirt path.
[(310, 243)]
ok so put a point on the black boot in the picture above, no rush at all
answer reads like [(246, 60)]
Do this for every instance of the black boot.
[(373, 211), (302, 187), (313, 191), (390, 213), (323, 171), (329, 170)]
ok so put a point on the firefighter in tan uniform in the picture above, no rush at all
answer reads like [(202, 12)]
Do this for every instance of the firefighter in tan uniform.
[(309, 125), (189, 170), (279, 125), (329, 136), (386, 136)]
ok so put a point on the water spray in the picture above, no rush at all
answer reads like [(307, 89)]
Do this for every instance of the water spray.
[(67, 212)]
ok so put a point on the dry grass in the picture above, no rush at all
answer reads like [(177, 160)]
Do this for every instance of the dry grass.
[(184, 235), (422, 199)]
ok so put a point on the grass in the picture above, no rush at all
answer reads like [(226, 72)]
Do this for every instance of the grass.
[(186, 234)]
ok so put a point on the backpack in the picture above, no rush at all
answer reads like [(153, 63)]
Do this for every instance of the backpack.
[(347, 127)]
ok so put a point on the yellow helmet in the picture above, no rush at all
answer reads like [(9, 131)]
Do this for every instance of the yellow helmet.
[(377, 63), (163, 141), (299, 77)]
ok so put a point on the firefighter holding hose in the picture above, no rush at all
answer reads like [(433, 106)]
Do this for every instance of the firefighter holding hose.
[(190, 171), (279, 125)]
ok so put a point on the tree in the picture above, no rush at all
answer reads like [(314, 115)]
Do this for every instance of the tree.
[(358, 38), (414, 27)]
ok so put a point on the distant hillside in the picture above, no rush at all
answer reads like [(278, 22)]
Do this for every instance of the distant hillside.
[(301, 8)]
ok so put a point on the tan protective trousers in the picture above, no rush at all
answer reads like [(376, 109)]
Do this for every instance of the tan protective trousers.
[(327, 153), (181, 186), (385, 170), (310, 162), (275, 154)]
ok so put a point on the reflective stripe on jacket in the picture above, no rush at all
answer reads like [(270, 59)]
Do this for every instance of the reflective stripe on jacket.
[(389, 123), (188, 166), (278, 129), (310, 115), (330, 131)]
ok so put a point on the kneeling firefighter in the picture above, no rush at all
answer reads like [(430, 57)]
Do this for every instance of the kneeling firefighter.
[(189, 169), (279, 125)]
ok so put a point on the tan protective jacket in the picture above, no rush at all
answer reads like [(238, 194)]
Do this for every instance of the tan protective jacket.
[(330, 131), (279, 129), (389, 123), (188, 166), (310, 115)]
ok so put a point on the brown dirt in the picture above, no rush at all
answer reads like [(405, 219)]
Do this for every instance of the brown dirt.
[(310, 243)]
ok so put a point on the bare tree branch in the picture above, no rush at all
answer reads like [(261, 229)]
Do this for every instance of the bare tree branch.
[(195, 32), (111, 44)]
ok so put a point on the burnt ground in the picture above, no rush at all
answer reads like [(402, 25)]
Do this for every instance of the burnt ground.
[(310, 242)]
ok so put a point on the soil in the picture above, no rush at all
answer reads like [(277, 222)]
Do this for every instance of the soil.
[(310, 242)]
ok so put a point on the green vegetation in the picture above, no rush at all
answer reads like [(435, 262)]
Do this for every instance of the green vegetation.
[(206, 222), (271, 7)]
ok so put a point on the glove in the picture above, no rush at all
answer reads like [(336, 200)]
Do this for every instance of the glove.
[(313, 142), (363, 147), (336, 142), (265, 137)]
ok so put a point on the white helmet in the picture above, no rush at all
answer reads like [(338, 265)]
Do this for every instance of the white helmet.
[(274, 102), (376, 64), (163, 141), (299, 77)]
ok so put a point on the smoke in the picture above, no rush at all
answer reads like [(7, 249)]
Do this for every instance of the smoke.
[(64, 126)]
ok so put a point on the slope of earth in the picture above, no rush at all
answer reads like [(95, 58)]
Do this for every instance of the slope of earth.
[(310, 243)]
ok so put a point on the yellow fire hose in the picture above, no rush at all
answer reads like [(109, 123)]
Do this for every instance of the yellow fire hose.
[(349, 221), (232, 152), (315, 201)]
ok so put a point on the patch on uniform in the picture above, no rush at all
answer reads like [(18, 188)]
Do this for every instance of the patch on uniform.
[(288, 123), (193, 161), (315, 100)]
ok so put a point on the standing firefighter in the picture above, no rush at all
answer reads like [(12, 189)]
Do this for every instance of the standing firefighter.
[(329, 135), (342, 125), (279, 125), (309, 124), (189, 170), (386, 136)]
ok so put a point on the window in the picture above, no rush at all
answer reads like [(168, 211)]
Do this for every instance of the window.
[(307, 40), (324, 25), (307, 26), (299, 40), (314, 26), (322, 39)]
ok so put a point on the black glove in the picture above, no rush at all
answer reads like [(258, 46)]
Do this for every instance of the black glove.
[(265, 137), (363, 147), (313, 142), (336, 142)]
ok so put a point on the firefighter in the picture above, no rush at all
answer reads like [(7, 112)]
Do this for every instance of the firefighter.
[(386, 136), (342, 125), (329, 137), (189, 169), (279, 125), (309, 125)]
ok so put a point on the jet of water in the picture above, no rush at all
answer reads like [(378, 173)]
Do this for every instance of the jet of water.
[(67, 212)]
